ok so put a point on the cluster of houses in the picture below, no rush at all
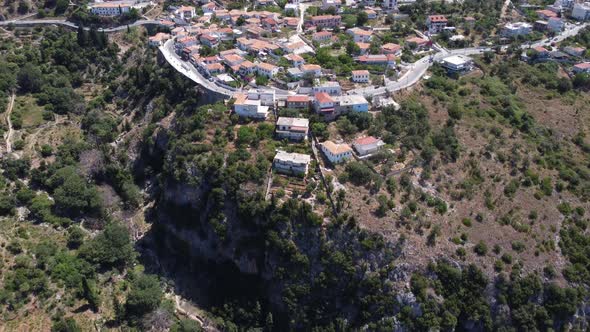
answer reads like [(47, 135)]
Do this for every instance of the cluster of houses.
[(335, 153)]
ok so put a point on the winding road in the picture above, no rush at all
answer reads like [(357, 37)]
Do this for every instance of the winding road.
[(71, 25), (412, 76), (8, 135), (419, 68)]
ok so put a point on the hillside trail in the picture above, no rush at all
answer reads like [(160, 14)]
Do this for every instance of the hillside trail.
[(8, 135), (504, 9)]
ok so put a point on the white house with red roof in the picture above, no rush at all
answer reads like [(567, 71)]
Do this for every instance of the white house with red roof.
[(367, 145), (582, 68), (298, 101), (360, 76), (436, 23), (296, 60), (267, 69), (391, 48), (209, 8), (323, 104), (186, 12), (326, 21), (378, 60), (336, 153), (322, 36), (360, 35), (311, 69)]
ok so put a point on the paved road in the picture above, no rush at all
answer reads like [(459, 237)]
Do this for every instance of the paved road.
[(188, 70), (73, 25), (419, 68), (570, 32), (8, 135)]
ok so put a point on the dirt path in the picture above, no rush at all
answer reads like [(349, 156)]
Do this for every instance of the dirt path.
[(504, 9), (8, 135)]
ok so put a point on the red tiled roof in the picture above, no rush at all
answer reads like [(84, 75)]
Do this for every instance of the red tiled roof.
[(323, 98), (298, 99), (546, 12), (437, 18), (366, 140)]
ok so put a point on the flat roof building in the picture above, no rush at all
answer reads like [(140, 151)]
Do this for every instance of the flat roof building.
[(291, 163), (292, 128)]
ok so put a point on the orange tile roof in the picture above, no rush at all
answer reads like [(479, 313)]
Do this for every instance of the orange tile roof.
[(336, 149), (298, 99), (437, 18), (323, 97)]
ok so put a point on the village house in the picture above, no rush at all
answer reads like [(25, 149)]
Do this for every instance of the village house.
[(248, 108), (214, 68), (540, 25), (267, 69), (247, 68), (574, 51), (457, 63), (331, 88), (167, 24), (311, 69), (298, 101), (391, 48), (336, 153), (360, 76), (262, 3), (209, 40), (186, 12), (265, 95), (417, 43), (364, 48), (322, 36), (178, 31), (292, 128), (291, 22), (516, 29), (110, 9), (225, 34), (350, 103), (232, 60), (367, 145), (389, 4), (555, 24), (324, 104), (222, 14), (204, 19), (581, 11), (360, 35), (326, 21), (295, 72), (378, 60), (296, 60), (291, 163), (371, 14), (158, 39), (469, 22), (336, 4), (545, 14), (436, 23), (209, 8), (542, 52), (581, 68), (185, 42)]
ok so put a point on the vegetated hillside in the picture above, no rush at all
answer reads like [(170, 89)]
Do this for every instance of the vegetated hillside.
[(19, 8), (146, 146), (499, 167)]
